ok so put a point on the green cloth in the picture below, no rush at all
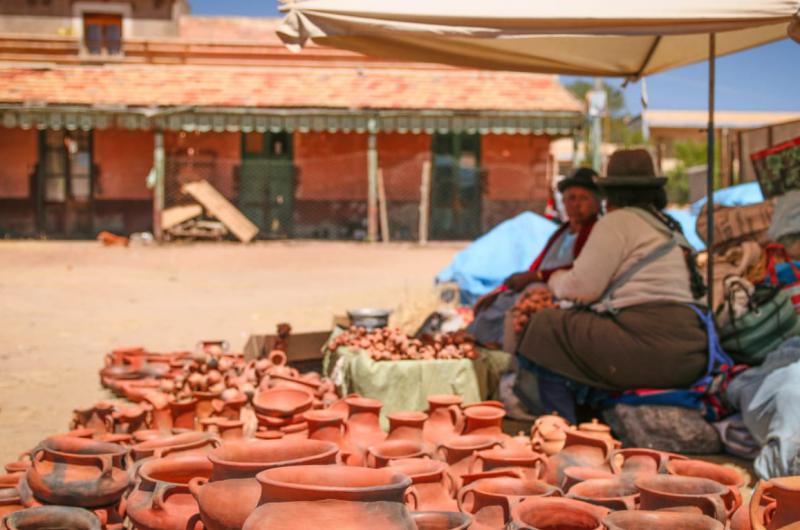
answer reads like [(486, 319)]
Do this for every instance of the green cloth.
[(405, 385)]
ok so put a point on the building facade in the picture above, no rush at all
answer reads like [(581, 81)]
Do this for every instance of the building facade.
[(107, 108)]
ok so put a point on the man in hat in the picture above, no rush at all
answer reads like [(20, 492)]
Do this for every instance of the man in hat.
[(581, 198)]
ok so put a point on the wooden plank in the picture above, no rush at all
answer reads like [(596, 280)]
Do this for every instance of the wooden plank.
[(178, 214), (424, 201), (384, 208), (219, 207)]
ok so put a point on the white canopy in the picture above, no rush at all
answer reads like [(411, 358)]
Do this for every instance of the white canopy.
[(628, 38)]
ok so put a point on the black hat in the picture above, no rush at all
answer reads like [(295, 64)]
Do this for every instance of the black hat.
[(583, 177), (631, 168)]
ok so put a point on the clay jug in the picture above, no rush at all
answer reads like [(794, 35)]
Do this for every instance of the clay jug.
[(78, 472), (441, 520), (638, 461), (406, 425), (338, 514), (640, 519), (575, 474), (579, 450), (435, 490), (485, 420), (445, 418), (613, 493), (187, 442), (363, 427), (225, 504), (532, 465), (380, 454), (459, 452), (313, 483), (784, 513), (161, 499), (183, 413), (247, 458), (51, 517), (556, 513), (699, 495), (329, 426), (493, 498)]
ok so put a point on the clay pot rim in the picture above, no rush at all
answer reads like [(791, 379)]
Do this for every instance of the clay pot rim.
[(327, 449), (396, 479), (445, 400), (206, 394), (416, 448), (184, 438), (510, 454), (108, 448), (459, 519), (82, 515), (603, 482), (200, 461), (476, 439), (651, 484), (532, 504), (791, 483), (661, 514), (324, 416), (484, 412), (419, 469), (738, 483), (363, 403), (484, 486), (267, 410)]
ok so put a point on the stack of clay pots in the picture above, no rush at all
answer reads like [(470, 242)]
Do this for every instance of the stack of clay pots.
[(211, 441), (385, 344)]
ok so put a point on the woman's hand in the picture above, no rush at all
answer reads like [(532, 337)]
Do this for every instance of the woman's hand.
[(520, 280)]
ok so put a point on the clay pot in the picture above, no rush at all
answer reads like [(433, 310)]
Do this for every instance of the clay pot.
[(596, 429), (363, 427), (98, 418), (161, 499), (118, 438), (329, 426), (160, 415), (459, 452), (130, 419), (532, 465), (78, 472), (184, 443), (341, 515), (205, 403), (10, 480), (406, 425), (637, 461), (435, 489), (574, 475), (268, 435), (639, 519), (45, 517), (311, 483), (613, 493), (493, 498), (579, 450), (10, 501), (247, 458), (380, 454), (295, 430), (784, 513), (230, 430), (557, 513), (698, 468), (445, 418), (282, 402), (441, 520), (183, 413), (225, 504), (700, 495), (485, 420)]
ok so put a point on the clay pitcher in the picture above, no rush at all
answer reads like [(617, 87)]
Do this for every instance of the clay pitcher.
[(640, 519), (435, 489), (493, 498), (557, 513), (786, 512), (247, 458), (485, 420), (51, 517), (613, 493), (407, 425), (78, 472), (363, 427), (579, 450), (691, 494), (459, 452), (329, 426), (445, 418)]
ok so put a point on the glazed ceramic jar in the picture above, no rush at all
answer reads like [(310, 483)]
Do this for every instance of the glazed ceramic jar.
[(247, 458), (338, 514), (613, 493), (445, 418), (493, 498), (435, 489), (55, 517), (555, 512), (704, 496), (784, 512), (78, 472)]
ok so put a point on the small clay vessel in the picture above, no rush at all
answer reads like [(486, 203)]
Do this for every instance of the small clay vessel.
[(638, 461), (532, 465), (575, 474), (596, 429), (700, 495), (338, 514), (282, 402), (51, 517), (97, 418), (493, 498), (225, 504), (329, 426), (557, 513), (579, 450), (784, 513), (78, 472), (441, 520), (363, 427), (445, 418), (406, 425), (230, 430), (459, 452), (435, 489), (380, 454), (648, 520), (183, 413), (485, 420), (205, 403), (247, 458), (613, 493), (184, 443)]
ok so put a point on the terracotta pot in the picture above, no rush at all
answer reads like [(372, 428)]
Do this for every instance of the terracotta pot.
[(363, 427), (98, 418), (557, 513), (230, 430), (118, 438), (380, 454), (247, 458), (613, 493), (341, 515), (311, 483), (493, 498), (784, 513), (441, 520), (188, 442), (78, 472), (485, 420), (10, 480), (406, 425), (54, 517), (698, 468), (638, 520), (161, 499), (282, 402), (637, 461), (575, 474), (693, 494), (445, 418), (328, 426), (183, 413), (147, 434), (548, 434), (459, 452), (295, 430), (10, 501), (532, 465), (579, 450), (268, 435), (160, 415), (205, 403), (130, 419), (435, 489), (597, 429), (225, 504)]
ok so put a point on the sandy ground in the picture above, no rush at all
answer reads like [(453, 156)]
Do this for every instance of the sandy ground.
[(64, 304)]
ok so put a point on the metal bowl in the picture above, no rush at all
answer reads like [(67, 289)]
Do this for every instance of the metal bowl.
[(369, 318)]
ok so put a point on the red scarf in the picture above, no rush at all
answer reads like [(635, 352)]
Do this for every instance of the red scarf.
[(580, 241)]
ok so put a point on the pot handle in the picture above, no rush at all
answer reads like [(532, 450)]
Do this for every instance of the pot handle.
[(458, 418), (474, 460), (462, 495), (449, 483), (159, 496), (195, 484), (411, 493), (732, 500), (762, 487), (543, 466), (439, 453), (712, 507), (371, 459), (106, 465)]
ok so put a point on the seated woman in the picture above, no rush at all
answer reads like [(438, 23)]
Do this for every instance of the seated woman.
[(631, 325), (582, 204)]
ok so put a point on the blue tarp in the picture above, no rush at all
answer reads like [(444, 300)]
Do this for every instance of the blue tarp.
[(509, 247), (739, 195), (688, 222)]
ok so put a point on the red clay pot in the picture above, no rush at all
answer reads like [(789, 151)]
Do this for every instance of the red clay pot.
[(130, 419), (548, 434), (184, 443), (78, 472), (637, 461), (52, 517), (459, 452), (247, 458), (363, 427), (380, 454), (639, 520), (225, 504), (341, 515), (493, 498), (485, 420), (282, 402), (230, 430), (693, 494), (597, 429), (311, 483), (532, 465), (435, 489), (613, 493), (205, 403), (183, 413), (328, 426), (406, 425), (784, 513), (698, 468), (98, 418), (440, 520), (161, 499), (445, 418), (575, 474), (579, 450), (557, 513)]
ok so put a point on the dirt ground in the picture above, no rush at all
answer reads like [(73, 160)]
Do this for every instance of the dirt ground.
[(64, 304)]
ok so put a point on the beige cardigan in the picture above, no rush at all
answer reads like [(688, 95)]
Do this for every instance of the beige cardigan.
[(618, 240)]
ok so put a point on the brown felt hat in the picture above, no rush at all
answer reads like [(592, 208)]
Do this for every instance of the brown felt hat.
[(631, 168)]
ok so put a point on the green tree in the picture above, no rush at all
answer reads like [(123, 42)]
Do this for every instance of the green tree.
[(688, 154)]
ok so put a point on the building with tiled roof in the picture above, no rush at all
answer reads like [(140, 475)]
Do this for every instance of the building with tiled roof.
[(92, 94)]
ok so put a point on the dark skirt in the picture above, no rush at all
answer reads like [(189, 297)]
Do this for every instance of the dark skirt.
[(657, 345)]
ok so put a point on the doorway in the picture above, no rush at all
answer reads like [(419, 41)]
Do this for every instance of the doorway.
[(267, 182), (456, 187)]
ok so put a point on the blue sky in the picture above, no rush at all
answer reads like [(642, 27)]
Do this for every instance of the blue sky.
[(764, 78)]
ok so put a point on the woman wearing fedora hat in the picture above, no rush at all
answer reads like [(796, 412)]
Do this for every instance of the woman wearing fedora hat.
[(630, 324)]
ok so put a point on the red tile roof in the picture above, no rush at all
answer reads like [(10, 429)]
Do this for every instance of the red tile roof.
[(400, 87)]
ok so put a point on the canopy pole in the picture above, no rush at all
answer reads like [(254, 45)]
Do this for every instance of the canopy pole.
[(712, 54)]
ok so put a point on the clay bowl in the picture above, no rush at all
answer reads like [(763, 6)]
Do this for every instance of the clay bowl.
[(247, 458), (613, 493), (381, 453), (441, 520), (347, 483), (52, 517), (282, 402), (662, 520)]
